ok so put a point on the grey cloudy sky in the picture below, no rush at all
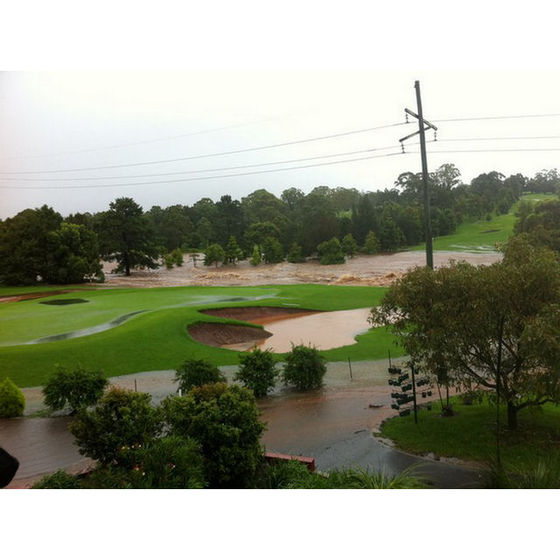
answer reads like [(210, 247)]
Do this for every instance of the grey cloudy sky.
[(55, 121)]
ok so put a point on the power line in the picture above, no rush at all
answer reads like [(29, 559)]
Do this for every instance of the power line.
[(482, 139), (502, 117), (137, 143), (212, 170), (203, 178), (493, 150), (215, 154)]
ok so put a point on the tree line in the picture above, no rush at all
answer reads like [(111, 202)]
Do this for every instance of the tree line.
[(39, 245)]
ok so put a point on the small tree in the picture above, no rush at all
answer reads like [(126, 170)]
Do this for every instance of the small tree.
[(371, 246), (12, 401), (272, 251), (304, 368), (169, 261), (224, 419), (256, 256), (194, 373), (257, 371), (122, 420), (76, 389), (177, 256), (349, 245), (331, 252), (214, 254), (294, 254), (233, 252)]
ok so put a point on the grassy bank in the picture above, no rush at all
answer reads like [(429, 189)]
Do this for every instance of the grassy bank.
[(157, 338), (482, 235), (471, 434)]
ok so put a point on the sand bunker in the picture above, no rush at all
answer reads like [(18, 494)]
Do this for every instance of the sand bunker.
[(284, 327), (236, 337)]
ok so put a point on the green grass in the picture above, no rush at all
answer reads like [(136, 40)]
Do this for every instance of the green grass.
[(157, 338), (471, 433), (482, 235)]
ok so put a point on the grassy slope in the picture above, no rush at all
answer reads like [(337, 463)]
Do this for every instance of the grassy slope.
[(471, 433), (482, 235), (158, 339)]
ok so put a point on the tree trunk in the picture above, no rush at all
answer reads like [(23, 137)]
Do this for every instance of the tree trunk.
[(512, 416)]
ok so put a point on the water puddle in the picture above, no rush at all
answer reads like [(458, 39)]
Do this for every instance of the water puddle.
[(86, 332)]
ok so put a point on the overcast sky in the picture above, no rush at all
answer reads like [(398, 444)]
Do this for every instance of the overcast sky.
[(77, 120)]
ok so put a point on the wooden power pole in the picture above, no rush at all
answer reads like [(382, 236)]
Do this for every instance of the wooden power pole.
[(423, 125)]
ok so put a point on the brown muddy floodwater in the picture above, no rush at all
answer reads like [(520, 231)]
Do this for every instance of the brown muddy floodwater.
[(284, 327)]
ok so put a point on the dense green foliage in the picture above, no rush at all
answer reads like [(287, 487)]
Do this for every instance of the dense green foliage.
[(194, 373), (224, 420), (125, 236), (76, 388), (257, 371), (122, 420), (304, 368), (541, 223), (12, 401), (488, 326), (331, 252), (59, 480), (214, 254), (295, 476)]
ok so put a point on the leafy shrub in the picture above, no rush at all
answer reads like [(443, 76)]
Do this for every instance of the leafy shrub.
[(169, 261), (58, 480), (224, 420), (177, 256), (256, 256), (194, 373), (283, 474), (76, 389), (371, 245), (257, 371), (12, 401), (294, 254), (169, 462), (272, 251), (214, 254), (121, 420), (331, 252), (349, 245), (304, 368)]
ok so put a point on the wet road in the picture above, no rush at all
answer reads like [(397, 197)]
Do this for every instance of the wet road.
[(333, 425)]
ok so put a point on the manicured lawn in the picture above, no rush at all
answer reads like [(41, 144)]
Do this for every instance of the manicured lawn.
[(157, 338), (471, 433), (482, 235)]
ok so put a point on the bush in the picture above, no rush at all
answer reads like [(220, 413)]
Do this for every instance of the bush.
[(58, 480), (194, 373), (12, 401), (257, 371), (272, 251), (76, 389), (169, 462), (256, 256), (371, 246), (294, 254), (214, 254), (177, 256), (349, 245), (122, 420), (331, 252), (169, 261), (304, 368), (224, 420)]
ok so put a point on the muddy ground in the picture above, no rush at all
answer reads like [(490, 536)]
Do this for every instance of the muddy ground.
[(362, 270)]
